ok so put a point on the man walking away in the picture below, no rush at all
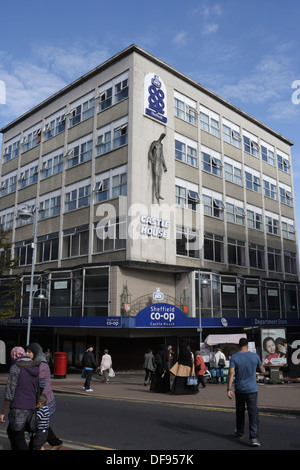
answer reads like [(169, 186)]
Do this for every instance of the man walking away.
[(244, 365)]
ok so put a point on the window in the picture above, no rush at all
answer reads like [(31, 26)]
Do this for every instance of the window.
[(31, 139), (233, 171), (120, 136), (256, 256), (102, 190), (187, 242), (254, 218), (111, 184), (288, 230), (77, 196), (23, 252), (209, 121), (112, 136), (114, 91), (104, 143), (252, 181), (186, 150), (286, 196), (50, 205), (231, 133), (250, 144), (213, 247), (236, 252), (9, 183), (52, 164), (270, 188), (274, 260), (76, 241), (290, 264), (186, 195), (28, 175), (267, 153), (47, 248), (11, 149), (7, 218), (272, 225), (235, 213), (213, 206), (211, 162), (54, 125), (185, 108), (111, 236), (82, 109), (81, 151), (283, 162)]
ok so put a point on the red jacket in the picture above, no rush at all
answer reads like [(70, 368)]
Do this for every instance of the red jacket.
[(199, 361)]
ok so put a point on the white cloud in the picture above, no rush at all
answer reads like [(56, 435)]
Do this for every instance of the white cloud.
[(180, 38), (39, 76)]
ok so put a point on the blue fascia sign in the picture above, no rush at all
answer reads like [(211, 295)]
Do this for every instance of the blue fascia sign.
[(162, 315)]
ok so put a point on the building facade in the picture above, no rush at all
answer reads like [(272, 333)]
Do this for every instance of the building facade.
[(162, 212)]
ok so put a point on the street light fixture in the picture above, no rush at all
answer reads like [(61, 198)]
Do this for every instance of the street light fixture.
[(202, 281), (25, 214)]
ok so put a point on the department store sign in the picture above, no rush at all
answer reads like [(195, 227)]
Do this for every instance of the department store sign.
[(162, 315), (155, 98)]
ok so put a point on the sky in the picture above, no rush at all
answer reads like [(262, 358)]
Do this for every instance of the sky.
[(248, 52)]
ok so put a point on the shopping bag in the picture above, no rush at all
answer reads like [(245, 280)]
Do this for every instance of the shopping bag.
[(192, 380), (111, 372)]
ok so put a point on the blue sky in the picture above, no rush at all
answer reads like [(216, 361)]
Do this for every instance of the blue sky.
[(246, 51)]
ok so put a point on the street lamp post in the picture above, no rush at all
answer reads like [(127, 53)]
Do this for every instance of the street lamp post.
[(25, 214), (202, 281)]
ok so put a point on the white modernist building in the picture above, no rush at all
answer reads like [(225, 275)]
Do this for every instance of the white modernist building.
[(161, 211)]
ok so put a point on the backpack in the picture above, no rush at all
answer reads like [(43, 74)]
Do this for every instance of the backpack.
[(221, 362)]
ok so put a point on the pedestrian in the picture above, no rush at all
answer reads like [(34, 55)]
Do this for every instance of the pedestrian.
[(182, 369), (20, 397), (106, 364), (200, 368), (219, 365), (170, 356), (89, 364), (148, 366), (243, 366), (39, 437), (35, 351), (160, 382), (49, 359)]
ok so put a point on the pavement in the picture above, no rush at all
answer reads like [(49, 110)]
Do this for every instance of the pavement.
[(278, 398)]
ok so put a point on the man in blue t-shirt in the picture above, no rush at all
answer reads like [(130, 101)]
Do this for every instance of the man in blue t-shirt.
[(242, 368)]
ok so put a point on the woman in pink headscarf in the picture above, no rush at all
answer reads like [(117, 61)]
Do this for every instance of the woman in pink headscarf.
[(20, 397)]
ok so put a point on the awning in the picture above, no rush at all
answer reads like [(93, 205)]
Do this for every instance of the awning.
[(222, 339)]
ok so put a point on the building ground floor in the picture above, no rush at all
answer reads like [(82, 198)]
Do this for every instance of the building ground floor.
[(127, 346), (129, 307)]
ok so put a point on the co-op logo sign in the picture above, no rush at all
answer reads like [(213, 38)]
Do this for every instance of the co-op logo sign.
[(161, 315)]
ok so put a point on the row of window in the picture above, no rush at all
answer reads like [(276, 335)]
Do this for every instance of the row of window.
[(112, 236), (259, 256), (212, 163), (111, 137), (186, 109), (109, 185), (109, 94)]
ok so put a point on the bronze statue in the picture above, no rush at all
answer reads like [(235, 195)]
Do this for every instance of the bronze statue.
[(156, 157)]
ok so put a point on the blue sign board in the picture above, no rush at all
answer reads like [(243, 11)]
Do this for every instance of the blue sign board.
[(155, 98), (163, 315)]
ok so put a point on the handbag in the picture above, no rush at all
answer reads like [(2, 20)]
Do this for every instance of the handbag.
[(192, 380)]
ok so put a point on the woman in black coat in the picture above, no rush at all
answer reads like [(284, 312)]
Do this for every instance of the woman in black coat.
[(160, 381), (184, 369)]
